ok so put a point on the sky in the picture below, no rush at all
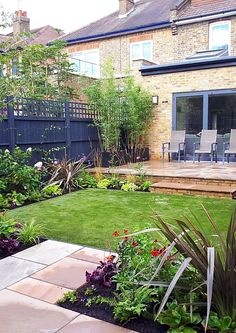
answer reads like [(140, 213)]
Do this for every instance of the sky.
[(67, 15)]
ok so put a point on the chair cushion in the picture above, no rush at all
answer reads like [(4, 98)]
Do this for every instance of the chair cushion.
[(230, 151), (198, 151), (173, 150)]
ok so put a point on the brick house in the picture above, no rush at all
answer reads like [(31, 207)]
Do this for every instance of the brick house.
[(182, 51)]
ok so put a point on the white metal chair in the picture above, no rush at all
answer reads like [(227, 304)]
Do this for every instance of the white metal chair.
[(207, 145), (229, 148), (175, 145)]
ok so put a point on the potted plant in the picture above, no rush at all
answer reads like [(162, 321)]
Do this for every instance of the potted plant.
[(103, 95), (137, 107), (123, 114)]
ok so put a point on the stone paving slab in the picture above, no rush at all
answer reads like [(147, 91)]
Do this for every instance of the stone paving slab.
[(14, 269), (38, 289), (205, 170), (48, 252), (90, 254), (68, 273), (23, 314), (85, 324)]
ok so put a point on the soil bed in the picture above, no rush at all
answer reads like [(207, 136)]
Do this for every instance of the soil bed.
[(20, 248), (105, 311)]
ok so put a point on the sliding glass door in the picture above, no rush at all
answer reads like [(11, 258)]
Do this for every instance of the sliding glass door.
[(205, 110), (189, 114), (222, 112)]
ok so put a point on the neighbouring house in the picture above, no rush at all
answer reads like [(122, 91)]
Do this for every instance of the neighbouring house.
[(182, 51), (22, 35), (21, 24)]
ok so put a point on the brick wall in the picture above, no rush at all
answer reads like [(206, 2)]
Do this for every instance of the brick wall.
[(166, 85), (166, 47), (192, 38)]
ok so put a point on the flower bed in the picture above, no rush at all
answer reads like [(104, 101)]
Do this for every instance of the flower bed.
[(157, 286), (22, 183), (105, 311)]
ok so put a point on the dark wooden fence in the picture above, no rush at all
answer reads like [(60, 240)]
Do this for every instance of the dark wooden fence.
[(62, 127)]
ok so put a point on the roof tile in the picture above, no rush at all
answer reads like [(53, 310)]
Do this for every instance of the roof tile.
[(147, 13), (206, 7)]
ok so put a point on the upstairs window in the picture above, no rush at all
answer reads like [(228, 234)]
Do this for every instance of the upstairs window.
[(141, 50), (219, 35), (86, 63)]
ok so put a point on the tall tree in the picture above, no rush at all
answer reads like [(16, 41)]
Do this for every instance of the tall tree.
[(35, 71)]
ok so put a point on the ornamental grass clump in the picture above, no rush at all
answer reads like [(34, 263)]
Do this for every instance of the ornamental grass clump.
[(65, 173), (214, 258), (14, 234)]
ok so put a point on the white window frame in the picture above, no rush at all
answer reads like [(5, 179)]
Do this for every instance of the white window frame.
[(73, 54), (215, 24), (140, 43)]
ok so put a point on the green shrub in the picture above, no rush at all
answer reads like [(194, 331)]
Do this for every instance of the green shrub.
[(7, 225), (16, 199), (145, 186), (178, 319), (129, 187), (17, 178), (103, 183), (86, 180), (70, 296), (52, 191), (115, 182), (34, 196), (132, 303)]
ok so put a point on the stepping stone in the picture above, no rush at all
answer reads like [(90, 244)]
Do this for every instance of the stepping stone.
[(14, 269), (22, 314), (90, 254), (67, 273), (38, 289), (85, 324), (48, 252)]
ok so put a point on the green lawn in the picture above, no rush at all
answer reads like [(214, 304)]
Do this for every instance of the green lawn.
[(89, 217)]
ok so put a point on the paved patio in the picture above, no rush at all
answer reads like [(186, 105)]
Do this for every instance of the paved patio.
[(33, 280), (203, 170)]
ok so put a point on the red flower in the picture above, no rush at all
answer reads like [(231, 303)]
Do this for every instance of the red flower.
[(126, 231), (156, 253), (116, 233), (110, 258), (139, 251), (135, 244), (126, 238)]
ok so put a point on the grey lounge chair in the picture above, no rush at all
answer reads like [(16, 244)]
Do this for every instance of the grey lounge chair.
[(176, 145), (207, 145), (230, 147)]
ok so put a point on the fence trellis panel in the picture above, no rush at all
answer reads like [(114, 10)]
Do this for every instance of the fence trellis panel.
[(46, 124)]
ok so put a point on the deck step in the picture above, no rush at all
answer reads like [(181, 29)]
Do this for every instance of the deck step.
[(210, 190)]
